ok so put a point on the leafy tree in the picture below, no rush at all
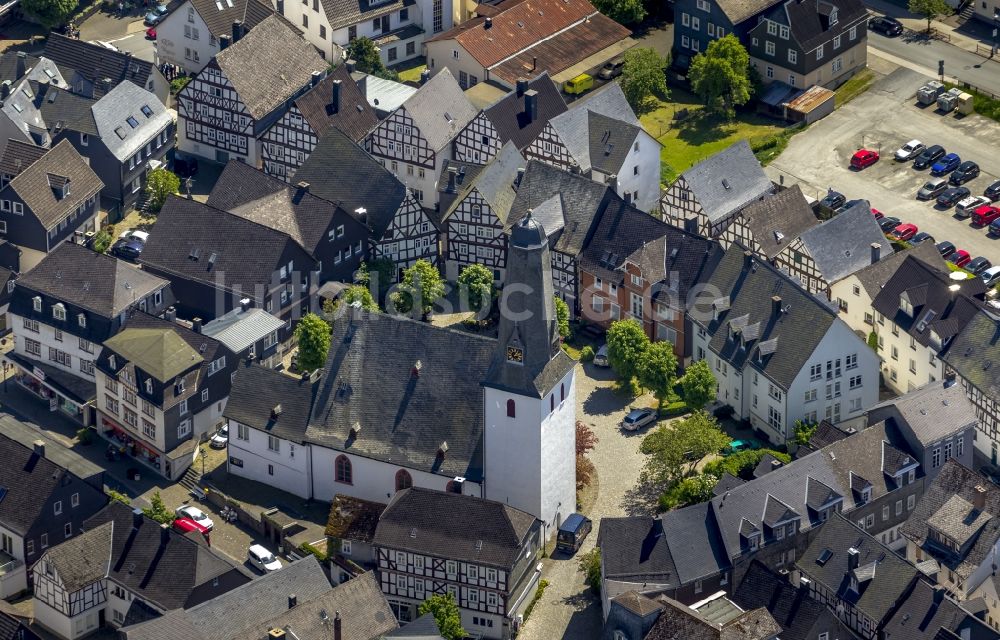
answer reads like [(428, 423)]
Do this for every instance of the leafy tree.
[(693, 490), (682, 444), (158, 511), (382, 270), (49, 13), (120, 497), (360, 294), (721, 75), (622, 11), (313, 335), (587, 353), (699, 385), (590, 565), (642, 77), (626, 344), (364, 52), (743, 463), (476, 285), (445, 611), (104, 238), (657, 370), (422, 285), (178, 83), (929, 9), (562, 317), (804, 431), (159, 184)]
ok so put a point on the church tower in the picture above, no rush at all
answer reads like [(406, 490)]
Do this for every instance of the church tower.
[(530, 393)]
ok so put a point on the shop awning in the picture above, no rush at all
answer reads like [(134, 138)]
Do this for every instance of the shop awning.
[(76, 389)]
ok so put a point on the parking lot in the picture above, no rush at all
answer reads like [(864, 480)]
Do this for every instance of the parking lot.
[(885, 118)]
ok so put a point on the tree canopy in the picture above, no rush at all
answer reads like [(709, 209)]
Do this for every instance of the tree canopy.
[(721, 75), (158, 511), (562, 317), (49, 13), (643, 78), (657, 370), (366, 56), (357, 293), (626, 344), (679, 445), (627, 12), (475, 285), (699, 384), (421, 287), (159, 184), (445, 611), (929, 9), (313, 336)]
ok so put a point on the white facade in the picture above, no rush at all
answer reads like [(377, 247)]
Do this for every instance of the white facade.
[(13, 574), (856, 309), (35, 340), (183, 40), (639, 178), (906, 364), (279, 463), (530, 458)]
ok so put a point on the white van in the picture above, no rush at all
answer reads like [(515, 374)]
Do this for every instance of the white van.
[(262, 559)]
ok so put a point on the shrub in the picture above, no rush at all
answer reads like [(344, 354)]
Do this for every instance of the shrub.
[(587, 354), (119, 497), (678, 408), (321, 555), (103, 239), (542, 584), (85, 436), (688, 491), (590, 565), (178, 83), (158, 511), (743, 463)]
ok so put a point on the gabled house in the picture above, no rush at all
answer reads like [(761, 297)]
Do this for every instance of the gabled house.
[(858, 578), (225, 110), (92, 70), (779, 354), (415, 140), (482, 552), (399, 229), (125, 568), (712, 192), (601, 137), (53, 199), (929, 613), (512, 40), (335, 238), (44, 503), (336, 102), (215, 259), (250, 333), (640, 267), (162, 387), (62, 311), (193, 32), (351, 530), (970, 363), (711, 619)]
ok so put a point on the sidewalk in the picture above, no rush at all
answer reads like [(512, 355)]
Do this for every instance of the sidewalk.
[(918, 24)]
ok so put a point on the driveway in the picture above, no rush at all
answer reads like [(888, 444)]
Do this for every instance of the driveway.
[(127, 33), (885, 118), (568, 609)]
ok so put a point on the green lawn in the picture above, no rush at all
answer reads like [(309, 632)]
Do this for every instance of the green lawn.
[(410, 70), (854, 87), (687, 142)]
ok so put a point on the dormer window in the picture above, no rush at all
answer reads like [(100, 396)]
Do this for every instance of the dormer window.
[(149, 386), (36, 303), (59, 311), (180, 385), (81, 320), (905, 306), (833, 16), (866, 494), (111, 362)]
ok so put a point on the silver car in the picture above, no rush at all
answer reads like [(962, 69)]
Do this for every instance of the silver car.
[(910, 150), (932, 189), (638, 418), (601, 357)]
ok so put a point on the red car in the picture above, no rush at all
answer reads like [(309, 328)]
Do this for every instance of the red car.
[(863, 158), (960, 258), (984, 215), (151, 33), (185, 525), (904, 231), (878, 214)]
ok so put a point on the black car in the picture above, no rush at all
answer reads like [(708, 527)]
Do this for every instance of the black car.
[(889, 223), (929, 156), (945, 248), (886, 26), (966, 171), (952, 196), (978, 265), (833, 200), (920, 237), (993, 191)]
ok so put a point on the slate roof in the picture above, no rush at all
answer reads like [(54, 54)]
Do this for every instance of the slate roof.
[(874, 277), (95, 63), (55, 451), (18, 156), (678, 622), (735, 166), (842, 245), (637, 603), (353, 518), (695, 542), (932, 412), (749, 284), (974, 351), (494, 182), (355, 118), (440, 110), (62, 109), (34, 187), (739, 10), (257, 391), (340, 171), (955, 481), (94, 281), (239, 328), (454, 526), (586, 142), (929, 609), (39, 69), (14, 628), (342, 13), (777, 221), (510, 120), (809, 25), (610, 142), (635, 548), (423, 628), (219, 17), (269, 65), (878, 595), (115, 112), (83, 560), (368, 380), (160, 352), (940, 306)]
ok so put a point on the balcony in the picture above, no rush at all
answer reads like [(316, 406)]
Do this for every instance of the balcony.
[(13, 576)]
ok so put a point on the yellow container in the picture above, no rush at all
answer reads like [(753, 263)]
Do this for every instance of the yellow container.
[(579, 84)]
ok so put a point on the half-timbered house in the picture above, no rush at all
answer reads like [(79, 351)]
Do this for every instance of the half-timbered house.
[(481, 552), (335, 102), (601, 137), (969, 361), (416, 139), (705, 198), (518, 117), (399, 228), (247, 87)]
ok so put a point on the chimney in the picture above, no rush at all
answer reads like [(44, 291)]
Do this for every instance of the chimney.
[(876, 252), (519, 178), (301, 189), (747, 259), (315, 77), (351, 65), (531, 104), (4, 89), (775, 306), (488, 23), (136, 518), (574, 167), (237, 31), (276, 634), (292, 601), (853, 556), (224, 42), (336, 627), (979, 497), (39, 447), (171, 314), (164, 534), (20, 69), (196, 325), (415, 372), (452, 178), (425, 75), (534, 62), (244, 303), (335, 97), (522, 86)]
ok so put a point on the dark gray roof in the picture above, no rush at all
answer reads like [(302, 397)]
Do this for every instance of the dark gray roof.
[(777, 221), (18, 156), (878, 595), (440, 110), (874, 277), (404, 418), (728, 181), (974, 351), (115, 112), (42, 195), (355, 117), (256, 394), (842, 245), (695, 542), (55, 450), (95, 63), (750, 284), (423, 628), (494, 182), (83, 560), (932, 412), (510, 120), (725, 483), (929, 609), (576, 132), (14, 627), (269, 65), (84, 278), (811, 26), (219, 16), (62, 109), (635, 548), (454, 526), (610, 142), (739, 10)]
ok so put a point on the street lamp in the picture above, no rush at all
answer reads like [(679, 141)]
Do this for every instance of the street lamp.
[(996, 25)]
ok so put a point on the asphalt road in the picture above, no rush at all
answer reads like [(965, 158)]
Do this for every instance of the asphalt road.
[(924, 52), (127, 34)]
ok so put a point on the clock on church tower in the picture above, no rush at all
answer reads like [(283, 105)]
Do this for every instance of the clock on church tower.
[(515, 354)]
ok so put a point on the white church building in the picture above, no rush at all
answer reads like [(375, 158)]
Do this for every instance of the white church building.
[(402, 403)]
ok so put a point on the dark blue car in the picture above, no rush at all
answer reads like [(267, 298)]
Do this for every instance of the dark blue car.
[(946, 164)]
